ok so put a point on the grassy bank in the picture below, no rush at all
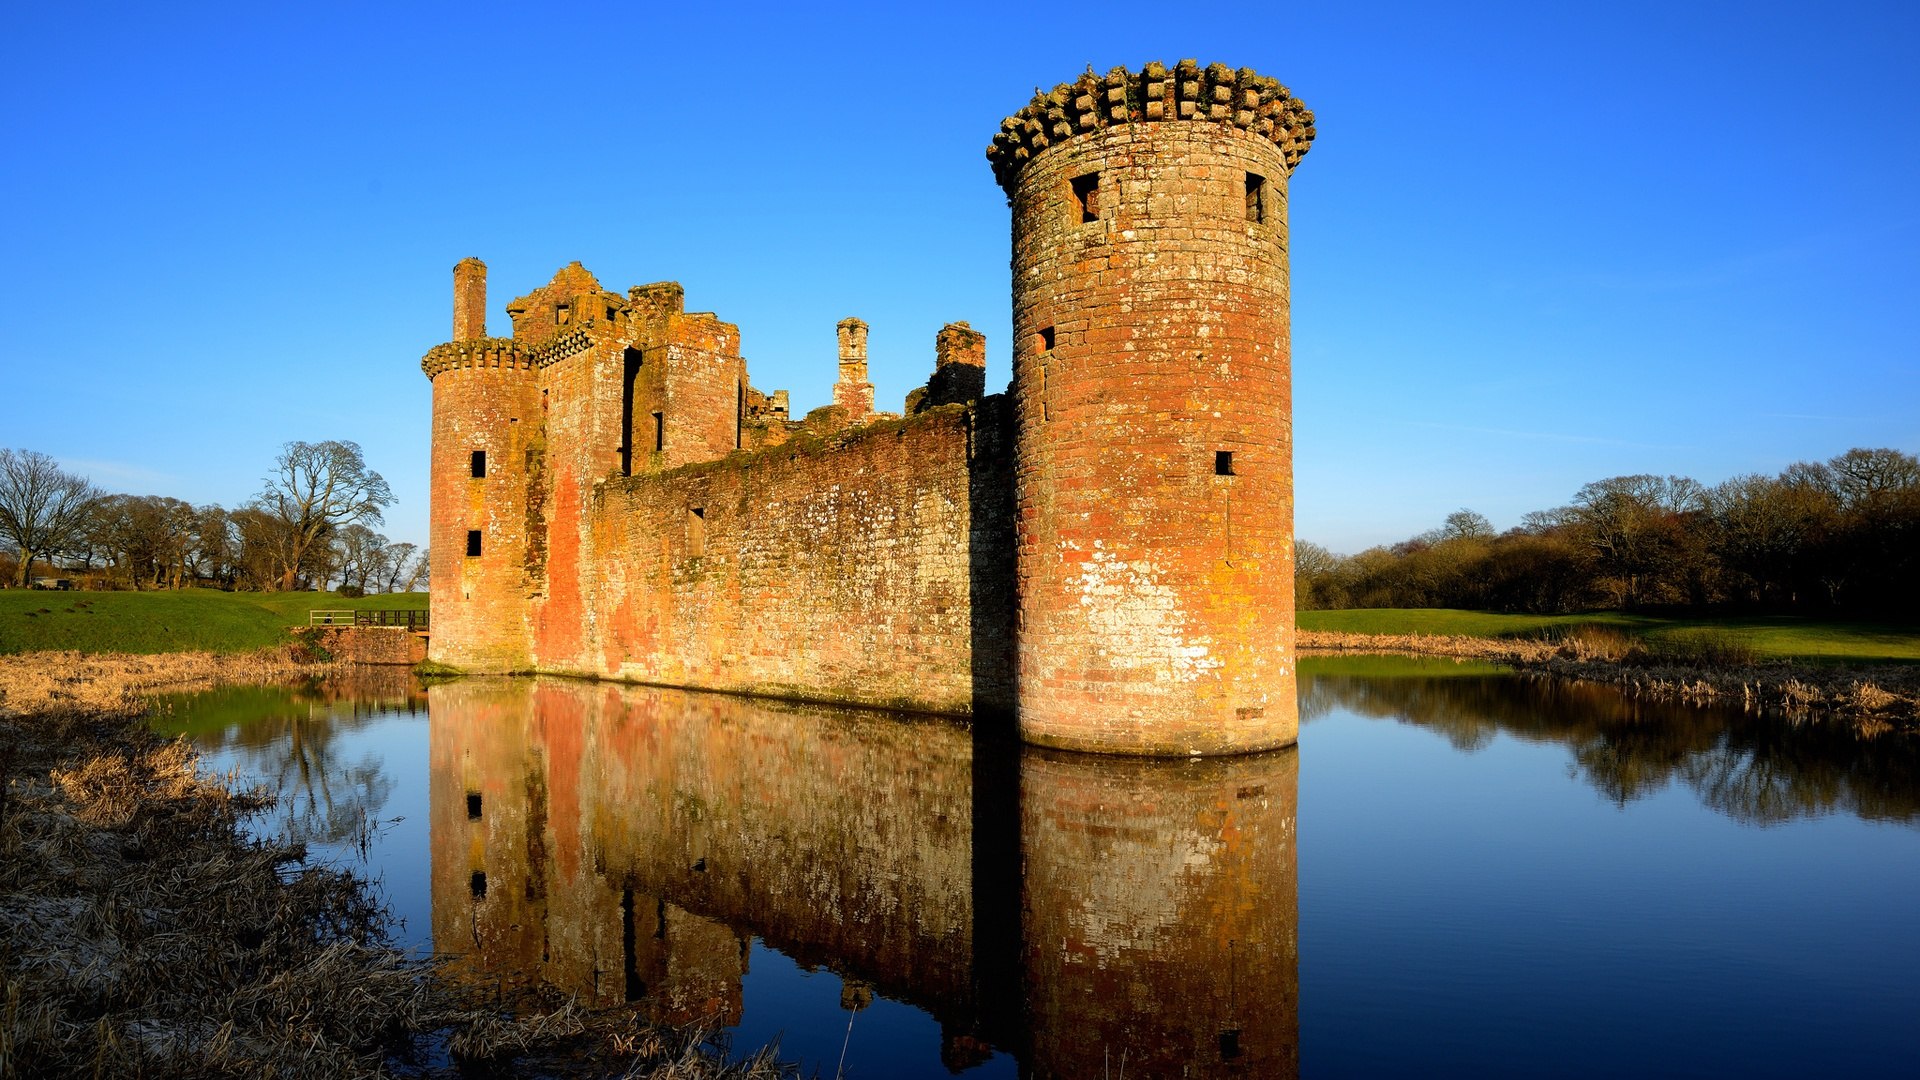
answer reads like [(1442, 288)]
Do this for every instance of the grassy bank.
[(186, 620), (142, 934), (1765, 637)]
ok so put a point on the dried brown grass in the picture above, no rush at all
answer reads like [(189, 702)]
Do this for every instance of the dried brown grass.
[(38, 681), (1699, 669), (142, 935)]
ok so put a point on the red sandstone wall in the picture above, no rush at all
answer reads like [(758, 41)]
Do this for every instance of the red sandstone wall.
[(1156, 597), (479, 602), (705, 389), (876, 569), (373, 644)]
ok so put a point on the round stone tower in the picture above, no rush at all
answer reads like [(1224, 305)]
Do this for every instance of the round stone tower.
[(485, 419), (1153, 409)]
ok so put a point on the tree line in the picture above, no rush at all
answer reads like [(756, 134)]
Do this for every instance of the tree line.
[(309, 527), (1837, 537)]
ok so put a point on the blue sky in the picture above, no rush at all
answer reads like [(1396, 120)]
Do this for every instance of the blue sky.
[(1534, 245)]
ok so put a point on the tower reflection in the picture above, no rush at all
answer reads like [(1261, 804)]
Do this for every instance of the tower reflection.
[(625, 845), (1161, 907)]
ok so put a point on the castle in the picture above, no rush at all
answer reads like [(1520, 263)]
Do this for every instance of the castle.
[(1105, 551)]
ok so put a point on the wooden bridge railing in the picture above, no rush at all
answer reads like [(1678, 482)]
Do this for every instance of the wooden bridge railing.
[(411, 620)]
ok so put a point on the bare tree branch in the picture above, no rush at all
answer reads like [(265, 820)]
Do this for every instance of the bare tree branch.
[(42, 506)]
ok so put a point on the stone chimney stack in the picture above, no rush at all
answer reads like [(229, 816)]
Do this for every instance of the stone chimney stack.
[(469, 300), (853, 392), (960, 364)]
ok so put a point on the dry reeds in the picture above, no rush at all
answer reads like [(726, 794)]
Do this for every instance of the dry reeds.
[(38, 681), (144, 937)]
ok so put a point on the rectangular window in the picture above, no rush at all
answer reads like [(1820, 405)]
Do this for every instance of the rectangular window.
[(1223, 463), (1086, 197), (479, 463), (473, 806), (1256, 198), (659, 432), (477, 884), (473, 543), (696, 532), (1043, 341)]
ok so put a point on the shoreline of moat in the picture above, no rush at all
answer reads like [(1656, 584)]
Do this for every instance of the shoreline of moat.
[(1873, 699), (113, 839), (145, 933)]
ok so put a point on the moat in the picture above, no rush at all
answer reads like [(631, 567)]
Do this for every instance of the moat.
[(1457, 871)]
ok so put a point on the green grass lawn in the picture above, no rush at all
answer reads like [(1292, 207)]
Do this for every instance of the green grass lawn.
[(1768, 636), (156, 622), (1375, 666)]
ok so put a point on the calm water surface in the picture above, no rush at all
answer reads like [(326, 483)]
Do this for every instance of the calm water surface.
[(1457, 872)]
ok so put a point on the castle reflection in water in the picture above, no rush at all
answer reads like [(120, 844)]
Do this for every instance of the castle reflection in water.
[(626, 844)]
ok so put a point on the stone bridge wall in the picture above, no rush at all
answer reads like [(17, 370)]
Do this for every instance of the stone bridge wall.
[(372, 644)]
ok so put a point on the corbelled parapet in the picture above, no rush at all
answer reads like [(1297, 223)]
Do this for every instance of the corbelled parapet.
[(569, 343), (477, 353), (1214, 94)]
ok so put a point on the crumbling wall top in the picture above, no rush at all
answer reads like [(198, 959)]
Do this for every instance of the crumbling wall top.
[(1215, 94)]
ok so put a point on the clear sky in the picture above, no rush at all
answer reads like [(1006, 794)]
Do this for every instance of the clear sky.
[(1534, 245)]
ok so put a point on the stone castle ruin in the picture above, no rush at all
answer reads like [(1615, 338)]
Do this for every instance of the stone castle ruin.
[(1105, 551)]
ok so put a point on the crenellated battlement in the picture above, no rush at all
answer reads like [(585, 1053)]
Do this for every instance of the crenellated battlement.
[(1215, 94), (477, 353)]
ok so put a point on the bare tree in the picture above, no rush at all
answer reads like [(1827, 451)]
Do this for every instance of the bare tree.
[(359, 551), (1465, 524), (316, 489), (215, 547), (395, 563), (419, 576), (42, 506)]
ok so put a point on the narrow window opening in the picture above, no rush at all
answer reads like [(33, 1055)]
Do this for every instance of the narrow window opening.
[(629, 378), (635, 987), (1223, 463), (1256, 198), (1043, 341), (473, 806), (477, 884), (739, 413), (479, 463), (563, 313), (1230, 1044), (473, 543), (1086, 197), (659, 432), (696, 531)]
